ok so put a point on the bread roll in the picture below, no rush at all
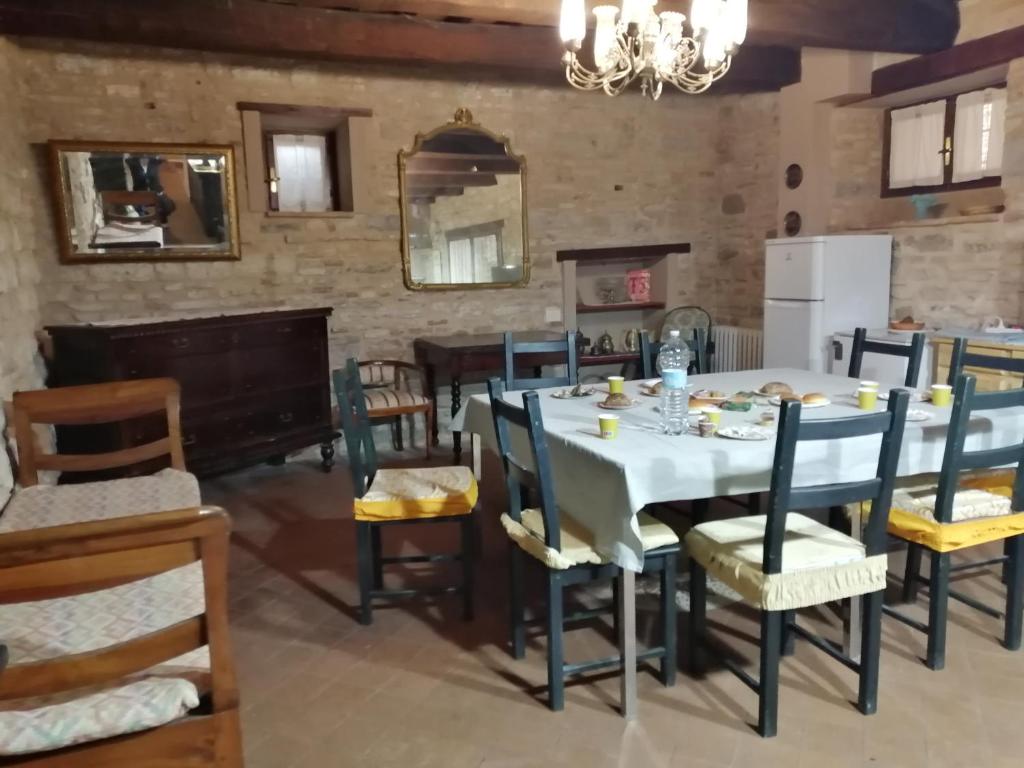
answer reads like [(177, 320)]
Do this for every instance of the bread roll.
[(814, 398), (777, 388), (618, 399)]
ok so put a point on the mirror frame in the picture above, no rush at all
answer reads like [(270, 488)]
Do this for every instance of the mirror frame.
[(463, 120), (62, 205)]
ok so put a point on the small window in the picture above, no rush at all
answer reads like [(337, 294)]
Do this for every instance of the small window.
[(302, 171), (944, 145), (473, 253)]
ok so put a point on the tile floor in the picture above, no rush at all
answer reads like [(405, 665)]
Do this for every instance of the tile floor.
[(421, 688)]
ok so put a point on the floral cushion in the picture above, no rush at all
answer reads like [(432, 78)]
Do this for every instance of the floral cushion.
[(402, 494), (48, 629)]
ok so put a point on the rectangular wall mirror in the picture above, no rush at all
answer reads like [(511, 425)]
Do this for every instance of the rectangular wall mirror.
[(463, 198), (144, 202)]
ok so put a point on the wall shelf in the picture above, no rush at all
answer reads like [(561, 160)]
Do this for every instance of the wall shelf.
[(626, 306)]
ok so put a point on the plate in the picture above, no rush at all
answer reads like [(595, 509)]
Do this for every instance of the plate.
[(762, 393), (778, 401), (567, 394), (645, 387), (746, 433), (607, 407), (915, 396), (915, 414)]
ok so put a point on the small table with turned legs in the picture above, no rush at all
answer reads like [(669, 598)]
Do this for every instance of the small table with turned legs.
[(453, 359)]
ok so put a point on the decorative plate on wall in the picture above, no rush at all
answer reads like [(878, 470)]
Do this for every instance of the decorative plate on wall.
[(793, 223), (794, 175)]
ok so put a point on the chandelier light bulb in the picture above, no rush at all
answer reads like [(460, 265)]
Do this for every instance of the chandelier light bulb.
[(605, 41), (736, 13), (572, 26)]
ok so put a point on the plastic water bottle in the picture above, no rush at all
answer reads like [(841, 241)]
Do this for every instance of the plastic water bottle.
[(673, 361)]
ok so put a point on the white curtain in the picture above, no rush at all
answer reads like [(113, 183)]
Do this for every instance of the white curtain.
[(485, 252), (460, 260), (978, 134), (304, 180), (915, 146)]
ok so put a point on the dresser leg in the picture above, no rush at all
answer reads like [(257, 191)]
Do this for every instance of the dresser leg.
[(327, 455), (456, 405)]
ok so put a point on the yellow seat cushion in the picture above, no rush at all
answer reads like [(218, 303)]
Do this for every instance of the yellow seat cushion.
[(819, 564), (577, 542), (981, 513), (405, 494)]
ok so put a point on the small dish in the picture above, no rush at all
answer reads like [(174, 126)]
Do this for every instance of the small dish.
[(746, 433), (915, 396), (778, 401), (607, 407), (915, 414), (570, 394)]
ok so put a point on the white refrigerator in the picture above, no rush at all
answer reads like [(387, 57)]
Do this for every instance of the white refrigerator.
[(815, 287)]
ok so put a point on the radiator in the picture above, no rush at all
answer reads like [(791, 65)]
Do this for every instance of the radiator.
[(736, 349)]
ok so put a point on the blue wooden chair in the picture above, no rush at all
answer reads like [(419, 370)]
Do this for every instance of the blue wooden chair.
[(565, 549), (966, 509), (699, 358), (391, 497), (914, 352), (784, 561), (514, 349), (960, 358)]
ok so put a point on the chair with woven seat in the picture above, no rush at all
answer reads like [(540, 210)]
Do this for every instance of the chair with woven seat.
[(389, 395), (391, 497), (784, 561), (565, 548), (914, 352), (699, 354), (517, 349), (965, 509)]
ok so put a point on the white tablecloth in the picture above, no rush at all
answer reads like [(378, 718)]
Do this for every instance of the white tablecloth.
[(604, 483)]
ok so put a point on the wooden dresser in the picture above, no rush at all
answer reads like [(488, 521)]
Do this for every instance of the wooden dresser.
[(253, 386), (987, 380)]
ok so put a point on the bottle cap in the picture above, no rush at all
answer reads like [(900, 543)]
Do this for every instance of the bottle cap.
[(673, 334)]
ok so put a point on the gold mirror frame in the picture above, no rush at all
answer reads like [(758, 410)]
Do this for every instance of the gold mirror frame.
[(62, 204), (463, 120)]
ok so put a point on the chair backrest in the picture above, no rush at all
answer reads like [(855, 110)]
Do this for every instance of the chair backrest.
[(67, 560), (378, 373), (914, 352), (514, 349), (355, 424), (96, 404), (967, 401), (699, 358), (519, 479), (114, 199), (960, 358), (784, 498)]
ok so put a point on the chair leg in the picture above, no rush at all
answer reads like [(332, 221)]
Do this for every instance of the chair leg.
[(699, 511), (616, 586), (696, 626), (396, 433), (556, 653), (787, 645), (377, 549), (468, 531), (911, 573), (1014, 592), (754, 504), (517, 619), (1008, 553), (428, 417), (768, 694), (837, 519), (364, 558), (938, 610), (870, 653), (668, 621)]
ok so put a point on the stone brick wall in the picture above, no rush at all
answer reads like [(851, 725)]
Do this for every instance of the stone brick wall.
[(602, 172), (19, 208), (979, 18)]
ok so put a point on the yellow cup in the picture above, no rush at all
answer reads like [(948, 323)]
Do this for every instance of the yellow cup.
[(942, 394), (869, 385), (615, 384), (609, 426), (867, 398), (713, 414)]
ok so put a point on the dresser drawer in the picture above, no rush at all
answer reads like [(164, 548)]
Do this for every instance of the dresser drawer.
[(183, 343), (285, 332)]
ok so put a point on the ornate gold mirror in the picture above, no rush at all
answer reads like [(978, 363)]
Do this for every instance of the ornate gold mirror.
[(144, 202), (463, 200)]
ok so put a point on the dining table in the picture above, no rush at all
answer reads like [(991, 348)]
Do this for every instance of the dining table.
[(604, 483)]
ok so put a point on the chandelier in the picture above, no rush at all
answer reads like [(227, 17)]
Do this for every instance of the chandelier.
[(635, 42)]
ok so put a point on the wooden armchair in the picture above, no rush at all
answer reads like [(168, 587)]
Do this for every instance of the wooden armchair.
[(115, 201), (388, 394), (117, 401), (93, 722)]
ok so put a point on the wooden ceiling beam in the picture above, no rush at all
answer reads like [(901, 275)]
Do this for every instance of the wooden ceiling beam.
[(901, 26), (255, 27)]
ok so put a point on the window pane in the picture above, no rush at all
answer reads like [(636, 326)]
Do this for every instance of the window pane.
[(915, 145), (978, 134), (460, 260), (304, 180)]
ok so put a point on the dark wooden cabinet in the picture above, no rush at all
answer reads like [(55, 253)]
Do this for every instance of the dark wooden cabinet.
[(253, 386)]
